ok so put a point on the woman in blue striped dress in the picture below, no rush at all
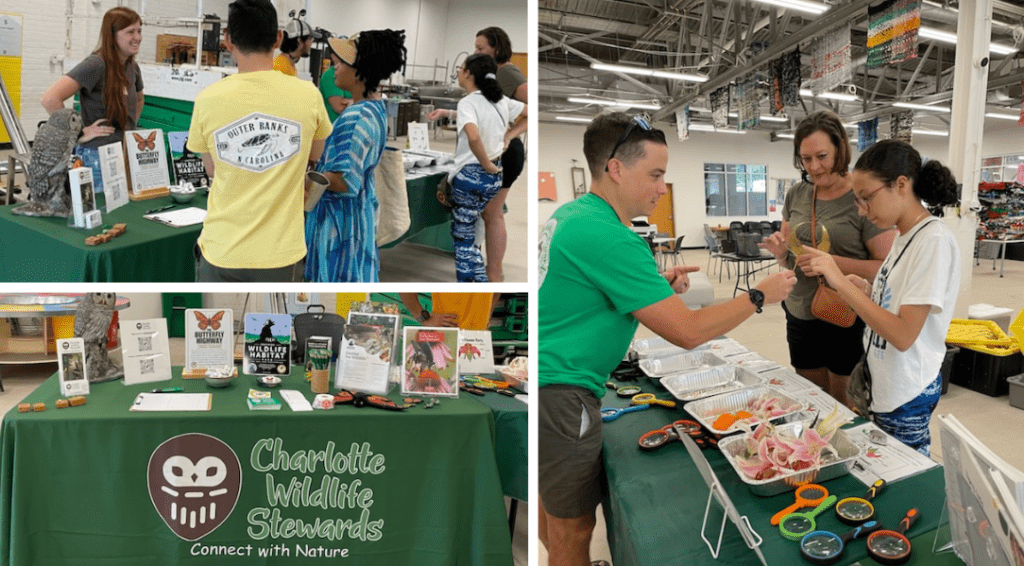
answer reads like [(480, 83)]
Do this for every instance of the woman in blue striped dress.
[(340, 230)]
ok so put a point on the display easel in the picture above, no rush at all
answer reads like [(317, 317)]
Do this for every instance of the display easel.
[(750, 536)]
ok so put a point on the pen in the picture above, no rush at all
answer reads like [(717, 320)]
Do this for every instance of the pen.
[(161, 209), (168, 390)]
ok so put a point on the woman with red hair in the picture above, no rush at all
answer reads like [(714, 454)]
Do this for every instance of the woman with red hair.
[(109, 85)]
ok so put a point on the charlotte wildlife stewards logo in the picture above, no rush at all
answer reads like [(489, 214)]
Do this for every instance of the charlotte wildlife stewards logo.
[(544, 247), (194, 481), (258, 142)]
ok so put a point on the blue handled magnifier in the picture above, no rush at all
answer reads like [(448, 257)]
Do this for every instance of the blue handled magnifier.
[(609, 415)]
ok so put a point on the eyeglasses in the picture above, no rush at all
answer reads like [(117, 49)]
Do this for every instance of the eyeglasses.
[(865, 202), (635, 122)]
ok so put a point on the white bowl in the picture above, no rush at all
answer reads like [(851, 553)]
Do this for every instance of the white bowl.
[(268, 380)]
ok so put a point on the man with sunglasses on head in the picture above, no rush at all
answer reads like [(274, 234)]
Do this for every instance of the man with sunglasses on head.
[(598, 280)]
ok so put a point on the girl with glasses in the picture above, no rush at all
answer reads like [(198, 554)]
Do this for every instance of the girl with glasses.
[(909, 305)]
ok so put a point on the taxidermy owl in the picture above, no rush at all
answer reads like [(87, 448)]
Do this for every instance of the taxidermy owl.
[(47, 174), (92, 319)]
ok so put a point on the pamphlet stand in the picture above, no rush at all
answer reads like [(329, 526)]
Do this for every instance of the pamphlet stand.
[(750, 537), (943, 542), (147, 194)]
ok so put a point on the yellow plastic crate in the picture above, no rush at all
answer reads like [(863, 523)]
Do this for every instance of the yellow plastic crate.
[(1017, 328), (1000, 351), (976, 333)]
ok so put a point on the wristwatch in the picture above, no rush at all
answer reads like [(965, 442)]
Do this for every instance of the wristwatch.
[(424, 315), (756, 297)]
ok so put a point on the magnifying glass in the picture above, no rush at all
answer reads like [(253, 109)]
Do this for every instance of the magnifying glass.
[(809, 495), (891, 547), (650, 399), (801, 234), (651, 441), (823, 547), (609, 415), (625, 391), (795, 525), (856, 510)]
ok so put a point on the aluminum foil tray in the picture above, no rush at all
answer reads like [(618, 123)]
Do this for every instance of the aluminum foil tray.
[(656, 347), (716, 380), (680, 363), (707, 410), (848, 454)]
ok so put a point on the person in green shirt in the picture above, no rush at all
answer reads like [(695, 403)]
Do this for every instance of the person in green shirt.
[(336, 99), (598, 280)]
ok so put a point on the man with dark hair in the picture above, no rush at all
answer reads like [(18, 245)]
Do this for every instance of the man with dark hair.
[(296, 44), (256, 131), (598, 280)]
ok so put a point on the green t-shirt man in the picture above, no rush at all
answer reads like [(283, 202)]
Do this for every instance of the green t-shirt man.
[(329, 89), (594, 272)]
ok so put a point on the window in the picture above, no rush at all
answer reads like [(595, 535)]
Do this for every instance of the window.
[(736, 190), (1000, 169)]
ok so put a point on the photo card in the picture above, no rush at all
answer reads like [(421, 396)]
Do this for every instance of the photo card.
[(429, 364)]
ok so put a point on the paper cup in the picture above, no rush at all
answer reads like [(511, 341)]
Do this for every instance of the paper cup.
[(316, 184), (321, 373)]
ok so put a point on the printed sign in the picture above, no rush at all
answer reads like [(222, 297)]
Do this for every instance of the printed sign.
[(208, 338), (74, 378), (115, 180), (430, 366), (268, 340), (147, 162), (145, 350)]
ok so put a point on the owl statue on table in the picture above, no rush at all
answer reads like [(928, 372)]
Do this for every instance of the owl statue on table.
[(47, 172), (92, 319)]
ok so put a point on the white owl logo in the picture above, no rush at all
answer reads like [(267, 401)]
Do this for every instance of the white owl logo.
[(194, 482)]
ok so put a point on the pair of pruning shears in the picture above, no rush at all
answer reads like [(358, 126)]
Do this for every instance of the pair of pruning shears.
[(659, 437), (610, 414), (650, 399)]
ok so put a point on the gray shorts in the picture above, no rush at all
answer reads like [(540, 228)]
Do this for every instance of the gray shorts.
[(569, 450), (206, 272)]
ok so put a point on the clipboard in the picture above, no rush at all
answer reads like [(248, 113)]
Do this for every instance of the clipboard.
[(172, 402), (179, 218)]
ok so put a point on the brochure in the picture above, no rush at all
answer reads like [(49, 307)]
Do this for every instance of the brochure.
[(145, 350), (365, 357), (430, 367), (208, 338), (268, 339), (83, 199), (71, 362), (262, 401)]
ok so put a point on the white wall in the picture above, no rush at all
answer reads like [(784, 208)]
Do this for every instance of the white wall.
[(435, 29), (561, 143)]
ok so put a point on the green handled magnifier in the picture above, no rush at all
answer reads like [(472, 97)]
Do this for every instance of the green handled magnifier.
[(801, 234), (795, 525), (856, 510)]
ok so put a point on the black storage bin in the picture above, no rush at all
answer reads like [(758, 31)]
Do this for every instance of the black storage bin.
[(985, 373), (947, 367)]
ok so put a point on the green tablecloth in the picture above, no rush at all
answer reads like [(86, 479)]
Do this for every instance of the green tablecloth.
[(655, 503), (511, 442), (429, 222), (73, 482), (46, 249)]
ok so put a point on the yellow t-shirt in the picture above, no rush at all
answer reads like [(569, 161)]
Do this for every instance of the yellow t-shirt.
[(284, 64), (258, 128), (473, 309)]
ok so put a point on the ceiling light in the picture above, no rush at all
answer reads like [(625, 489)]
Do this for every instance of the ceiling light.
[(831, 95), (1002, 116), (710, 128), (920, 107), (763, 118), (801, 5), (573, 119), (930, 132), (626, 103), (947, 37), (644, 72), (787, 136)]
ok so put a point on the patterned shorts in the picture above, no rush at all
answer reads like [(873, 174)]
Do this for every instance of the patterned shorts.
[(909, 423)]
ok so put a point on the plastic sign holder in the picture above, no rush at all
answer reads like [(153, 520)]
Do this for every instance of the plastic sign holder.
[(750, 536)]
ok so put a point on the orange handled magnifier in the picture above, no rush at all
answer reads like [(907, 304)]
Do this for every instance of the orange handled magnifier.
[(810, 495), (892, 548)]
